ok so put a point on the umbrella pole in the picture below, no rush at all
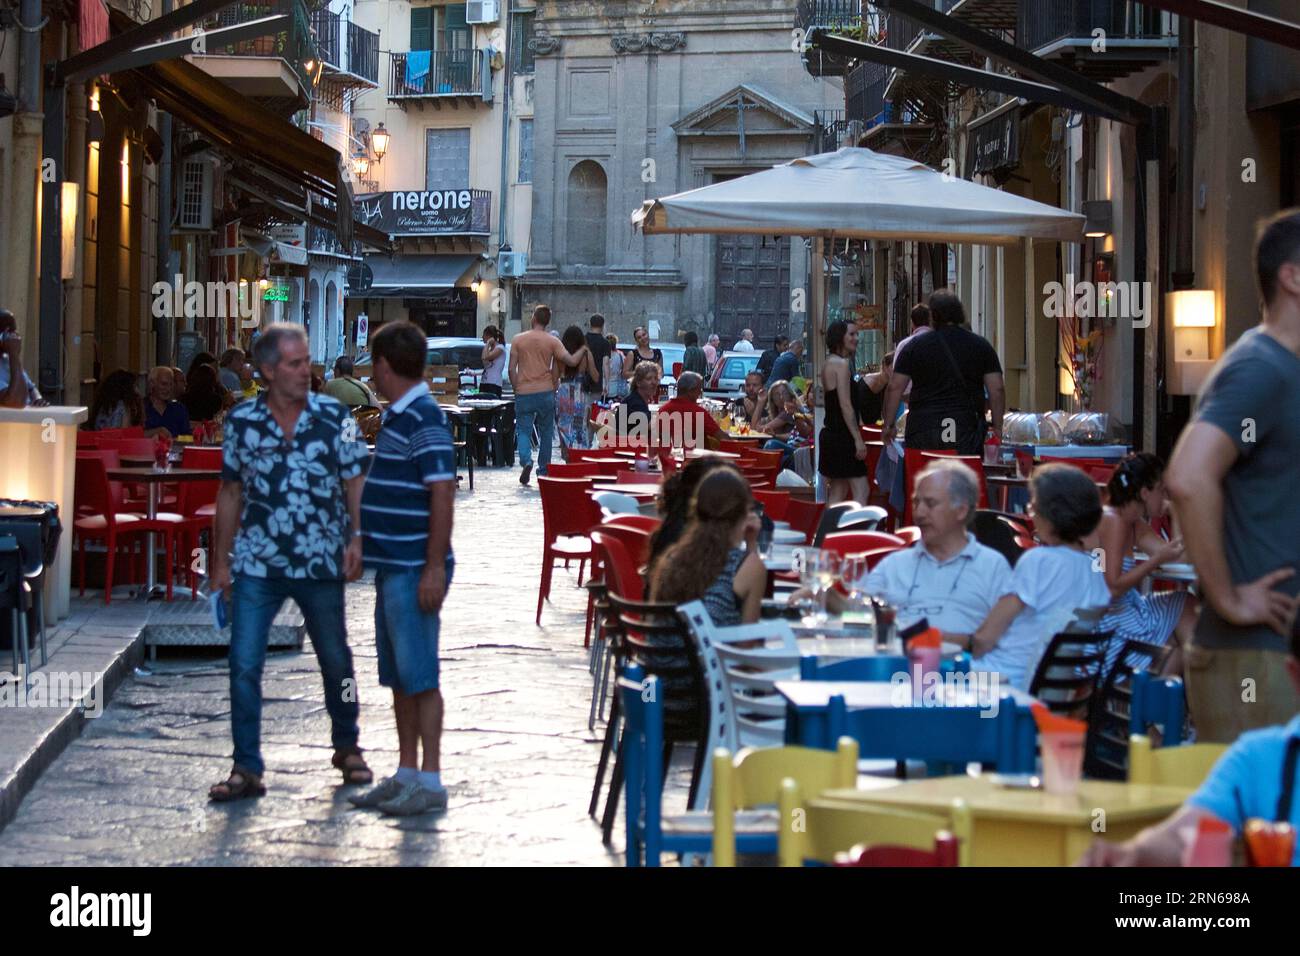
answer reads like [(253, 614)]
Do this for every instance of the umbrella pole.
[(817, 333)]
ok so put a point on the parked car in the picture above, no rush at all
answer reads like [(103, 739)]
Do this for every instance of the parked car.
[(728, 378)]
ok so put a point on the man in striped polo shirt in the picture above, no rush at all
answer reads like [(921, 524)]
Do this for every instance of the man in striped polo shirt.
[(406, 516)]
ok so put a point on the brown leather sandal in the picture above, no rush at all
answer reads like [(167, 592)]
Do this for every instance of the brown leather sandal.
[(353, 766), (248, 785)]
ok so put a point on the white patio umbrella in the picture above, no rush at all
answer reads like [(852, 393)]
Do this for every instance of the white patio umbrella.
[(860, 194)]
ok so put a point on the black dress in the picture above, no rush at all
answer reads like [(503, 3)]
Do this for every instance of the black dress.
[(838, 457)]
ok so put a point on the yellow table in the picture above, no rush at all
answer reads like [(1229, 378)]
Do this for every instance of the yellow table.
[(1015, 827)]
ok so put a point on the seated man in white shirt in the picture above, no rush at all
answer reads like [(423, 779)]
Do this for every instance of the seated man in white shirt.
[(949, 578)]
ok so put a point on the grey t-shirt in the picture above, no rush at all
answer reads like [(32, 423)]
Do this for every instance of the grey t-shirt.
[(1253, 396)]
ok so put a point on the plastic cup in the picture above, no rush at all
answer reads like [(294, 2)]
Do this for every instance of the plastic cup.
[(1210, 845), (1062, 761), (1269, 843), (921, 663)]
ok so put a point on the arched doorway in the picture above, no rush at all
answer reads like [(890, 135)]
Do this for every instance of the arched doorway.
[(585, 236)]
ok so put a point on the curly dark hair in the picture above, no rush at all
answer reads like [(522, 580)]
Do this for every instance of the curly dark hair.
[(688, 568), (675, 501), (1134, 475), (1066, 498), (118, 386), (573, 340)]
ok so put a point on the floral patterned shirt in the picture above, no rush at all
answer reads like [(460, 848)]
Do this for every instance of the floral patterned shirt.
[(294, 521)]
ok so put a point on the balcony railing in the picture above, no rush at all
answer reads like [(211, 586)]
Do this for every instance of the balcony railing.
[(1040, 23), (827, 13), (346, 47), (828, 128), (864, 93), (294, 45), (436, 73)]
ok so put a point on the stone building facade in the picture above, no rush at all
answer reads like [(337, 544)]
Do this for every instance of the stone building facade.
[(636, 101)]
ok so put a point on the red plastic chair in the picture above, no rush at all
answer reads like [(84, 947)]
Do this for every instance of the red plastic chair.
[(677, 370), (1098, 469), (577, 455), (742, 448), (774, 503), (88, 439), (624, 580), (644, 522), (634, 477), (197, 507), (636, 540), (910, 535), (804, 515), (943, 854), (574, 469), (767, 459), (856, 542), (99, 519), (568, 511), (876, 555)]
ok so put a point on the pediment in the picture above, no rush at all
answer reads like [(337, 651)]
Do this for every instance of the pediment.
[(762, 112)]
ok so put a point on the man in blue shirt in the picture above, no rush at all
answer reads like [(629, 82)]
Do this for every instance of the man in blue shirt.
[(406, 518), (786, 366), (1257, 778), (162, 414), (291, 479)]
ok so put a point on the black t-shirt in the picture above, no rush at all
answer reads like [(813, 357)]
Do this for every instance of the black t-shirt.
[(766, 361), (599, 346), (944, 387), (636, 412), (871, 405)]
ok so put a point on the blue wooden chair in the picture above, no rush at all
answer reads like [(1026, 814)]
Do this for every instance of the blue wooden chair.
[(1161, 701), (643, 765), (953, 735)]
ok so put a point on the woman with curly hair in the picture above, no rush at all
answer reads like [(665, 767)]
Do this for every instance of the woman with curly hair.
[(117, 403), (715, 560)]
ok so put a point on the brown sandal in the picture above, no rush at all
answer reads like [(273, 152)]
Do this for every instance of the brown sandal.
[(354, 772), (249, 785)]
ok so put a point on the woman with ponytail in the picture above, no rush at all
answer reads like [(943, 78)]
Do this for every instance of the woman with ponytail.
[(1135, 497), (716, 559)]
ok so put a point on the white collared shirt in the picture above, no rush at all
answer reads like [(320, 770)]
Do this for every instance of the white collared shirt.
[(954, 595)]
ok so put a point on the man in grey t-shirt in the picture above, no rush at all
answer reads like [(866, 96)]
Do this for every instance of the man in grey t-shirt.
[(1234, 479)]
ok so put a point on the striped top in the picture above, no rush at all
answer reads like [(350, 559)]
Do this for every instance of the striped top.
[(413, 450)]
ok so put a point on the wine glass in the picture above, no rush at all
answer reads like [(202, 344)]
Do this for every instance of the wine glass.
[(805, 563), (828, 572), (853, 574)]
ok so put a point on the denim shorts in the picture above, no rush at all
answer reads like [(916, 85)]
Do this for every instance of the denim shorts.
[(406, 638)]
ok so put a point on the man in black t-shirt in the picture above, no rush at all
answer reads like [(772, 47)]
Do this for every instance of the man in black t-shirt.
[(599, 346), (950, 370)]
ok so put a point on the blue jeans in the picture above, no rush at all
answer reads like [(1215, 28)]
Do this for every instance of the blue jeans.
[(254, 604), (537, 407), (406, 638)]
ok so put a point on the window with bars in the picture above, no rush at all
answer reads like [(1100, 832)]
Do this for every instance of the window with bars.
[(446, 158), (525, 151), (521, 31)]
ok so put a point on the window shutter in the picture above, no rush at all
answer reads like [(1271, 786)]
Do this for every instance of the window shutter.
[(421, 28)]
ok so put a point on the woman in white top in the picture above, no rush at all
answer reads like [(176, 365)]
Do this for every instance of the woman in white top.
[(1049, 582), (616, 384), (494, 361)]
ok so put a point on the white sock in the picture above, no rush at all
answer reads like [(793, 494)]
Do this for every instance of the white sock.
[(406, 775), (431, 779)]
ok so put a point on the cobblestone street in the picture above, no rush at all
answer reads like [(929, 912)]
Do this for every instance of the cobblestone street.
[(518, 758)]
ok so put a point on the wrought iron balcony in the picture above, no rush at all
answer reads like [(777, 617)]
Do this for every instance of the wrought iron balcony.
[(864, 93), (350, 52), (294, 45), (1134, 35), (838, 16), (437, 75), (829, 127)]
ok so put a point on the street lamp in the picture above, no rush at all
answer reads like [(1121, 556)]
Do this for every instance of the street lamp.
[(360, 164), (379, 142)]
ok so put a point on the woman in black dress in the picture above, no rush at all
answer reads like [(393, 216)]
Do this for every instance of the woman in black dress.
[(843, 455), (642, 353)]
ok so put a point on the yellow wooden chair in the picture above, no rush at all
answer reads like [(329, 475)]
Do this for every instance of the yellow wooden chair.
[(1185, 766), (743, 787), (819, 829)]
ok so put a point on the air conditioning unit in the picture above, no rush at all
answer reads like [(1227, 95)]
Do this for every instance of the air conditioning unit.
[(512, 265), (196, 195), (483, 11)]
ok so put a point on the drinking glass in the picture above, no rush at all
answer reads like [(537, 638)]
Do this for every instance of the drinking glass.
[(828, 572), (853, 573), (806, 562)]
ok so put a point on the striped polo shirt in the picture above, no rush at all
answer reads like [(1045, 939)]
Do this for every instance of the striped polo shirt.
[(413, 450)]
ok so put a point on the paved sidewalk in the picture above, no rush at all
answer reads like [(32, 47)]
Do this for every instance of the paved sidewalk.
[(517, 756)]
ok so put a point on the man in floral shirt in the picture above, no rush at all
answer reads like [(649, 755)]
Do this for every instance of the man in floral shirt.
[(290, 457)]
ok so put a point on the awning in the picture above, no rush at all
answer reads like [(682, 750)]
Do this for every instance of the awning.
[(413, 277), (292, 161)]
